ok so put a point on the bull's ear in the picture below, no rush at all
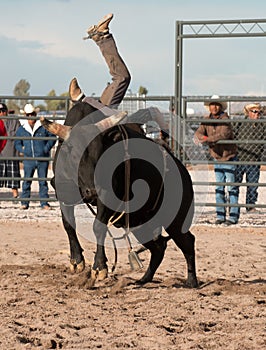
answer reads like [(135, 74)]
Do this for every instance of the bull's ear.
[(111, 121)]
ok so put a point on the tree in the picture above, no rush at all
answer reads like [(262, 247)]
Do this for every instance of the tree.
[(62, 104), (41, 107), (56, 105), (52, 105), (143, 91), (21, 89)]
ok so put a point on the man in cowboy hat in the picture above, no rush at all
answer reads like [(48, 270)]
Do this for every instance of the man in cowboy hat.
[(250, 152), (210, 133), (35, 147)]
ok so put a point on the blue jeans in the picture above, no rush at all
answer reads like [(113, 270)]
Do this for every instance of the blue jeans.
[(252, 175), (29, 169), (226, 173)]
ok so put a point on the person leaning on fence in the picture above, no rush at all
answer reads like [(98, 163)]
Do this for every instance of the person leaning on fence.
[(9, 168), (210, 133), (250, 152), (34, 148)]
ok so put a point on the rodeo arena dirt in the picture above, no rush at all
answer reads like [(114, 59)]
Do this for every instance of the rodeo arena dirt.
[(44, 306)]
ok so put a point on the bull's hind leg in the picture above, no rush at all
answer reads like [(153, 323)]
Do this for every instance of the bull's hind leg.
[(186, 242), (77, 261), (157, 248)]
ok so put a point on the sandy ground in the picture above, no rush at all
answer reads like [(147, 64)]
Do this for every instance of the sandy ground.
[(44, 306)]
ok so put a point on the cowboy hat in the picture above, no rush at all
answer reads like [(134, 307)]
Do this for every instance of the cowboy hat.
[(215, 99), (250, 106), (28, 109)]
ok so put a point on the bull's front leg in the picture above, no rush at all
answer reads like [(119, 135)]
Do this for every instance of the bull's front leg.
[(99, 269), (77, 261)]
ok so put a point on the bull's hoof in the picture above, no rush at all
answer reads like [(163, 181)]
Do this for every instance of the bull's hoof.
[(94, 274), (77, 268), (100, 275), (143, 281), (146, 278)]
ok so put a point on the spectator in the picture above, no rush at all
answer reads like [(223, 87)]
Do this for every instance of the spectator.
[(250, 152), (2, 130), (34, 148), (9, 168), (210, 133)]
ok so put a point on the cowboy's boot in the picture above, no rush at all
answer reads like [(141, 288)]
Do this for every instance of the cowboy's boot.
[(100, 30)]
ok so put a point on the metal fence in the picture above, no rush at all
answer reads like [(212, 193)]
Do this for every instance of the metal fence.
[(130, 103), (181, 131), (198, 160)]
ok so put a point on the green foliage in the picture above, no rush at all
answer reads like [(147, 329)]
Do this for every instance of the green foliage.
[(142, 91), (21, 89), (41, 106), (51, 105), (62, 104), (55, 105)]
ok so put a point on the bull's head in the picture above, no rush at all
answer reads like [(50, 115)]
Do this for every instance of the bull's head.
[(63, 131), (79, 154)]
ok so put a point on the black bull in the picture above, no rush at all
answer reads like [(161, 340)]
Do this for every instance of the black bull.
[(121, 171)]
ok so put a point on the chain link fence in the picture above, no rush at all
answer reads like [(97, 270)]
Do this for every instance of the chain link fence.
[(250, 138)]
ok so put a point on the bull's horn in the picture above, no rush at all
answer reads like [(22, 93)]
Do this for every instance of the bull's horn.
[(111, 121), (63, 131)]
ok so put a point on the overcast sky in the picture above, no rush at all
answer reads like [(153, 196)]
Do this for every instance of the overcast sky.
[(41, 41)]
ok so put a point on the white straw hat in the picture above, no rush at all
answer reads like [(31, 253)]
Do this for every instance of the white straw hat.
[(250, 106), (215, 98), (28, 109)]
